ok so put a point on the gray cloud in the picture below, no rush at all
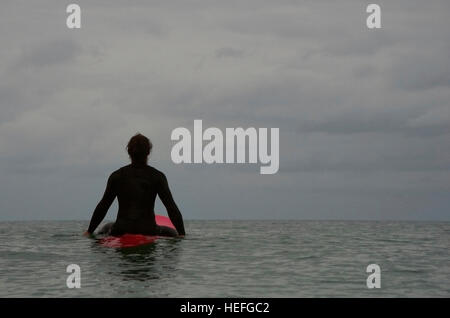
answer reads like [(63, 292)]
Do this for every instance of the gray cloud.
[(229, 52), (363, 114), (416, 72), (56, 51)]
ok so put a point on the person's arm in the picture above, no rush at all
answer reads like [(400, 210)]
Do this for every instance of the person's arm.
[(102, 206), (172, 209)]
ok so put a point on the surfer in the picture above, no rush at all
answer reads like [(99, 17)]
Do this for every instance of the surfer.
[(136, 186)]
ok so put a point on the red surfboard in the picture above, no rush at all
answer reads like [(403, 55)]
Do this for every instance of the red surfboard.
[(131, 240)]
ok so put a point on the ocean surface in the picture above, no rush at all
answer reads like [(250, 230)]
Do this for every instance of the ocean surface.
[(231, 259)]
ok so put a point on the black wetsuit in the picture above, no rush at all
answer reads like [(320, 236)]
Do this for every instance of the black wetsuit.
[(136, 187)]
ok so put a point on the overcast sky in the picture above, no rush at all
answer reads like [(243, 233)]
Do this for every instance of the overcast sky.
[(364, 115)]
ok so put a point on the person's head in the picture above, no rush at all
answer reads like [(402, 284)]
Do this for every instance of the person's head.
[(139, 147)]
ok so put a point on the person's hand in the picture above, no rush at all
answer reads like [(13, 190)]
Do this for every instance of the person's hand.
[(87, 234)]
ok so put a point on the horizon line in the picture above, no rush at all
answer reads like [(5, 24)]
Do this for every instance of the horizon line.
[(243, 219)]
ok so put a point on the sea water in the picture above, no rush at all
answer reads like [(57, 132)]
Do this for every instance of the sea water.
[(231, 259)]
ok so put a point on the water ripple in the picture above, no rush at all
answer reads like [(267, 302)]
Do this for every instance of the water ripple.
[(231, 259)]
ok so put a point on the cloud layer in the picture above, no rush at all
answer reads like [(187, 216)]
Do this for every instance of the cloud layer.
[(364, 115)]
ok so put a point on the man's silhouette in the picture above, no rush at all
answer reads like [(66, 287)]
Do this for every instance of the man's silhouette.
[(136, 186)]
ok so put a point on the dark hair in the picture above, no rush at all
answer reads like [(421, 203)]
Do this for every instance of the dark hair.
[(139, 147)]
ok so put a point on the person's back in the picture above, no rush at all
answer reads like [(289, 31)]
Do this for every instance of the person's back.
[(136, 186)]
